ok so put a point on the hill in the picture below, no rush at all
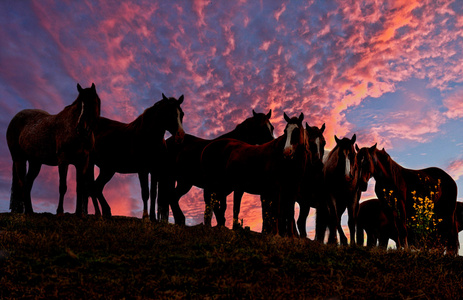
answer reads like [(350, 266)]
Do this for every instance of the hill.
[(46, 256)]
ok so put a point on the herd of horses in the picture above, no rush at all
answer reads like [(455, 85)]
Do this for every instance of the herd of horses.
[(282, 171)]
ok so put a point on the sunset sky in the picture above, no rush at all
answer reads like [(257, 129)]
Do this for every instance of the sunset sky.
[(389, 71)]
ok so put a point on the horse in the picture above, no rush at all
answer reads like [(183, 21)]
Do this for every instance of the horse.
[(396, 186), (36, 137), (313, 179), (184, 162), (136, 147), (378, 222), (272, 170), (340, 174)]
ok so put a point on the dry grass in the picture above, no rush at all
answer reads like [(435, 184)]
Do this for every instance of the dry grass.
[(45, 256)]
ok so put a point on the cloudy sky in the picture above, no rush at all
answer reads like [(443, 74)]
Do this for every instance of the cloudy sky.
[(389, 71)]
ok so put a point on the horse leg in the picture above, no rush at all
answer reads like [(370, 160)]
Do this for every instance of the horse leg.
[(178, 192), (237, 196), (208, 208), (63, 173), (304, 210), (153, 195), (290, 222), (220, 206), (403, 224), (90, 181), (321, 222), (166, 190), (360, 235), (145, 193), (32, 173), (352, 211), (81, 205), (17, 187), (102, 179), (333, 221)]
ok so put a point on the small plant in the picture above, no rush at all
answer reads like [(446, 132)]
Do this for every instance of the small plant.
[(424, 222)]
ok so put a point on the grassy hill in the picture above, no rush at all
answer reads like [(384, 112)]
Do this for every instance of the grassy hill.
[(46, 256)]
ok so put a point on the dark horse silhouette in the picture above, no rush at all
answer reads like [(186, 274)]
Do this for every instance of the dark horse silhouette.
[(393, 179), (273, 170), (136, 147), (378, 222), (184, 162), (311, 189), (36, 137), (340, 173)]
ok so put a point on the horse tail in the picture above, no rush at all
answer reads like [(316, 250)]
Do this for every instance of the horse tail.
[(16, 201), (448, 202)]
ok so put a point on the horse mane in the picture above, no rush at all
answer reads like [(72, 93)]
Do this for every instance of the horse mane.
[(137, 124)]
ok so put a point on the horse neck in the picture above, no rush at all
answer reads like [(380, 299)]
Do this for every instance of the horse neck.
[(389, 172), (236, 134), (70, 113), (138, 128)]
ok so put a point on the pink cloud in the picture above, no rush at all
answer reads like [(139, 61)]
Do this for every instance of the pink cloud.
[(454, 104), (456, 169)]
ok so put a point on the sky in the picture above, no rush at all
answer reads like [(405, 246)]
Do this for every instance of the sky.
[(388, 71)]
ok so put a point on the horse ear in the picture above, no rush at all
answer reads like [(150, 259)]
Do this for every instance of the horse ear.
[(323, 128), (180, 100), (336, 139), (306, 126), (287, 119), (269, 115), (373, 147), (254, 113), (93, 86), (164, 97), (357, 148), (354, 137), (79, 88), (301, 117)]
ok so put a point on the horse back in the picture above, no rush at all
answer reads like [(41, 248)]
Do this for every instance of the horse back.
[(124, 148), (434, 183), (230, 164), (185, 158), (31, 135)]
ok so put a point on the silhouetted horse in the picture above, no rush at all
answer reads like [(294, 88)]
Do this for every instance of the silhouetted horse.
[(311, 189), (395, 182), (273, 170), (378, 222), (340, 173), (36, 137), (184, 162), (137, 147)]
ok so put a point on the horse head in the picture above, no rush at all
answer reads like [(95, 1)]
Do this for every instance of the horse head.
[(257, 130), (347, 156), (366, 165), (317, 142), (166, 114), (294, 135), (90, 106)]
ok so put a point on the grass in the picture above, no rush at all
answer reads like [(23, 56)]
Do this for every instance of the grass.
[(46, 256)]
